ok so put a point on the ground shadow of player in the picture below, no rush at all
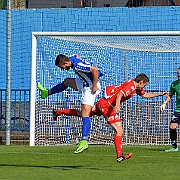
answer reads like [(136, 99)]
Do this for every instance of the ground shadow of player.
[(55, 167), (155, 149)]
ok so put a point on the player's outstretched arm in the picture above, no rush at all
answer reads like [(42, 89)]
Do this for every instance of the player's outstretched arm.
[(152, 95)]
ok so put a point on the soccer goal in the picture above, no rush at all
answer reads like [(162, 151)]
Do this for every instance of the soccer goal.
[(120, 56)]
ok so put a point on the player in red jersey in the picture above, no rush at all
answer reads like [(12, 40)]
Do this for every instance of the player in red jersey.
[(109, 106)]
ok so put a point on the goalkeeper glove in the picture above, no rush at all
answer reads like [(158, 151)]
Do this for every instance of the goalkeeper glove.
[(163, 106)]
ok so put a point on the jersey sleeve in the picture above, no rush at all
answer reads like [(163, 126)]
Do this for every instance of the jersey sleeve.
[(140, 92), (81, 66), (172, 91)]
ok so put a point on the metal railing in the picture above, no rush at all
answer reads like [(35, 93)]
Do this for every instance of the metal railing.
[(20, 109)]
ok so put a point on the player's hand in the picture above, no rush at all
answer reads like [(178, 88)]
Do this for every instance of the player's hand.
[(94, 89), (163, 106), (165, 93), (117, 109), (77, 56)]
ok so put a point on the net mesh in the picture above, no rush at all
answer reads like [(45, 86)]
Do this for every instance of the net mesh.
[(137, 43), (119, 58)]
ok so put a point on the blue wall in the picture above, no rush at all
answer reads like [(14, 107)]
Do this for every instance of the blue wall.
[(84, 19)]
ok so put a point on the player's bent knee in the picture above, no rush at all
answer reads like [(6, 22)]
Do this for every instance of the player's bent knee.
[(70, 82), (67, 81)]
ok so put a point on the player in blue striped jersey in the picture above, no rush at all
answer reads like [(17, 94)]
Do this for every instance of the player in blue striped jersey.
[(87, 83)]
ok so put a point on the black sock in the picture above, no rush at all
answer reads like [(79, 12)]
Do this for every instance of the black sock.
[(173, 137)]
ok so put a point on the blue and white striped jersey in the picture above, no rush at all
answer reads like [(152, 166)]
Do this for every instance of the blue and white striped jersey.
[(82, 69)]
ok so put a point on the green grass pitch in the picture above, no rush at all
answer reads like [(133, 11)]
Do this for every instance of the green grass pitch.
[(96, 163)]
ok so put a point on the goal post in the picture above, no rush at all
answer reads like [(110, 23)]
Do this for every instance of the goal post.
[(121, 56)]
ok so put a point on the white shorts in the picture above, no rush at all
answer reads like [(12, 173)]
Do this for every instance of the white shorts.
[(88, 97)]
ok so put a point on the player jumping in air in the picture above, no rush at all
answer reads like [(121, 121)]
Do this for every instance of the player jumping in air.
[(174, 89), (87, 83), (109, 106)]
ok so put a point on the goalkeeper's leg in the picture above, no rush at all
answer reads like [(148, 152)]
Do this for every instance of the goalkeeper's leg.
[(173, 137), (173, 132)]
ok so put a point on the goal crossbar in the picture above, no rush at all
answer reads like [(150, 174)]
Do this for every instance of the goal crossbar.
[(129, 33)]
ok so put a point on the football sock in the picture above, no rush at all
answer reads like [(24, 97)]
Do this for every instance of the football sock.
[(85, 127), (58, 88), (68, 112), (173, 137), (118, 145)]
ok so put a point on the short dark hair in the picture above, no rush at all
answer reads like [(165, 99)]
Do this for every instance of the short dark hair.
[(60, 59), (141, 77)]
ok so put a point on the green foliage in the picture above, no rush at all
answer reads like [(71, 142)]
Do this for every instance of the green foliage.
[(98, 162), (3, 4)]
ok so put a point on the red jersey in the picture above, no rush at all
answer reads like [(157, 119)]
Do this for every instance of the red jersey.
[(128, 88)]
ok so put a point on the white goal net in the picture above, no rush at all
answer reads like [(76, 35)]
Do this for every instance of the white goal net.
[(120, 56)]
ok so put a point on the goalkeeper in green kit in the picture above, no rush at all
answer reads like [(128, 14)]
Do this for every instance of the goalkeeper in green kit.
[(174, 90)]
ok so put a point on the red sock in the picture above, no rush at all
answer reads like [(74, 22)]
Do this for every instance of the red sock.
[(69, 112), (118, 145)]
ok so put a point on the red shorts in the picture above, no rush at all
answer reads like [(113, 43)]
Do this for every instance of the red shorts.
[(102, 107)]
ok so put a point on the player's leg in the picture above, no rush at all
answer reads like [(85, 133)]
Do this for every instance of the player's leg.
[(173, 137), (88, 99), (75, 112), (67, 112), (68, 82), (117, 125), (104, 108), (112, 119), (173, 132), (95, 110), (86, 126), (118, 137)]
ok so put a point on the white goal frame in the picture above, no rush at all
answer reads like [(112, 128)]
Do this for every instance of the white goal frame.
[(33, 63)]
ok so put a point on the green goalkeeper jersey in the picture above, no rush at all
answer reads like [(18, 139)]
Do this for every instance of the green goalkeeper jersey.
[(175, 88)]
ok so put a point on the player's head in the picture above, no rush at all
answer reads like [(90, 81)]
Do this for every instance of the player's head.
[(141, 81), (178, 73), (63, 62)]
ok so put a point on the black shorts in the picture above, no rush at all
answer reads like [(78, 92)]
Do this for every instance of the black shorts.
[(176, 118)]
